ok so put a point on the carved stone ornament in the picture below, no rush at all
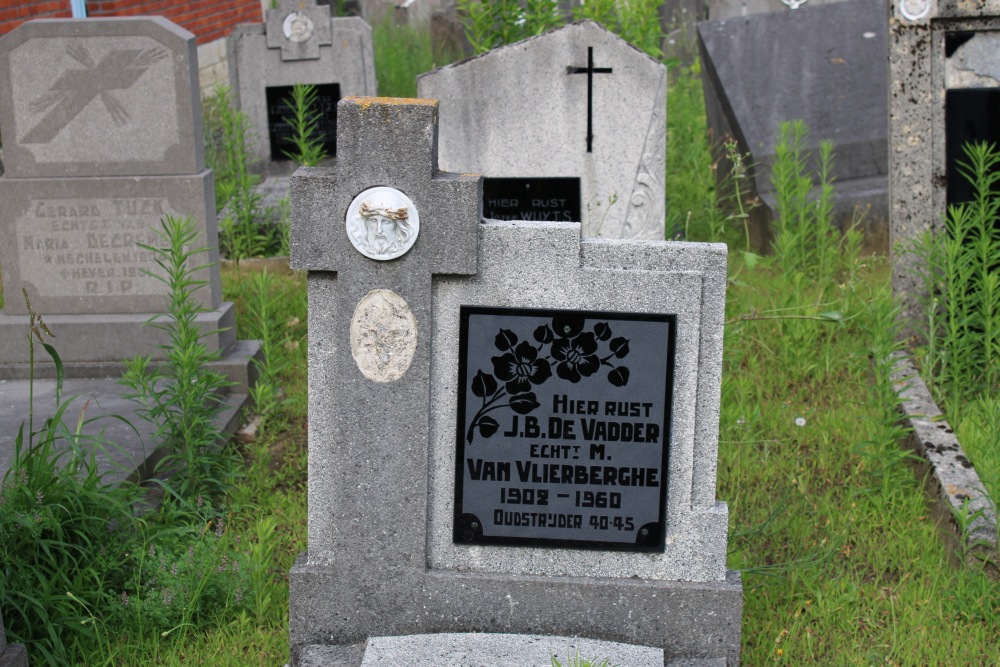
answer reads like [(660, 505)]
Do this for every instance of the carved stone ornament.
[(382, 223), (383, 336), (298, 27), (914, 10)]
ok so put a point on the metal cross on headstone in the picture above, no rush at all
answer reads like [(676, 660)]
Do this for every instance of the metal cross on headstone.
[(590, 71)]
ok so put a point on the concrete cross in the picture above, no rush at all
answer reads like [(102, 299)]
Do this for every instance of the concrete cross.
[(76, 88), (298, 28), (386, 143)]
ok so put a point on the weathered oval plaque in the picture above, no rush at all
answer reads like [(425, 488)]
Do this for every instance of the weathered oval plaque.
[(383, 336), (382, 223)]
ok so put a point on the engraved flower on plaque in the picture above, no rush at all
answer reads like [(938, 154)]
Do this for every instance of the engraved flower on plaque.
[(382, 223)]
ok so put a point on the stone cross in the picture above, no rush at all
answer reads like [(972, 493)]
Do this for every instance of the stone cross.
[(298, 28), (590, 71), (379, 370)]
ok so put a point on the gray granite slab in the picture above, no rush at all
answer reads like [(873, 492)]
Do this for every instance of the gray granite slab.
[(100, 97), (518, 112), (824, 64)]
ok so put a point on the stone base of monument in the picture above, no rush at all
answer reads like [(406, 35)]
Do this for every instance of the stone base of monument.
[(128, 447), (95, 345), (698, 623)]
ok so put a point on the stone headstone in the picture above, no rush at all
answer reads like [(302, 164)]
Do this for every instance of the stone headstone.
[(103, 121), (546, 426), (575, 103), (944, 75), (298, 43), (824, 64)]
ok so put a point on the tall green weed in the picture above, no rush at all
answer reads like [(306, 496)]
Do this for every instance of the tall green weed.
[(401, 53), (182, 397), (961, 281), (806, 240)]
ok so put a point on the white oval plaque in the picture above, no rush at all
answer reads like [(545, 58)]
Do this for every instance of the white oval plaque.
[(382, 223), (383, 336), (298, 27)]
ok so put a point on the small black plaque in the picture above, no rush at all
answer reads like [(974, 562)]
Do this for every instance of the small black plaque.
[(563, 428), (970, 115), (551, 199), (280, 132)]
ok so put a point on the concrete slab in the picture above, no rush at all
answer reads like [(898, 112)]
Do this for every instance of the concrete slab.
[(121, 441), (476, 649)]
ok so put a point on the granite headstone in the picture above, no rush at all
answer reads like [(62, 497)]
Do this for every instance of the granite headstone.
[(298, 43), (823, 64), (575, 103), (944, 74), (526, 424)]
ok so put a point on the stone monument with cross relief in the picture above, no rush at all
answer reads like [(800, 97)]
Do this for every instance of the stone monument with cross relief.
[(567, 126), (298, 42), (512, 429)]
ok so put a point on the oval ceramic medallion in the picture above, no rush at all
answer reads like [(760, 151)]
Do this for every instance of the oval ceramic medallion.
[(383, 336), (382, 223)]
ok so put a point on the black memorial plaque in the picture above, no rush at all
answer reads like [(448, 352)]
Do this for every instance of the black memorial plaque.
[(971, 115), (280, 133), (563, 428), (551, 199)]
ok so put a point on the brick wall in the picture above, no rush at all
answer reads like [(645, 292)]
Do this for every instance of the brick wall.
[(15, 12), (208, 19)]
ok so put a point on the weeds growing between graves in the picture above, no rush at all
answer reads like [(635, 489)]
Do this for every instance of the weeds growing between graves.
[(960, 354), (401, 53)]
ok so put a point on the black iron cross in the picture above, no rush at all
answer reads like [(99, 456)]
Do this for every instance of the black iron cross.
[(590, 71)]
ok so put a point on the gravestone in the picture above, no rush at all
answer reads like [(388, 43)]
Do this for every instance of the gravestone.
[(103, 139), (298, 43), (824, 64), (575, 103), (944, 76), (542, 457)]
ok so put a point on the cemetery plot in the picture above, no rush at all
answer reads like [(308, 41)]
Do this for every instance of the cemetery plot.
[(563, 428)]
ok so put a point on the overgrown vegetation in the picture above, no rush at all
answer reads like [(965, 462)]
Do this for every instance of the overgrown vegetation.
[(247, 228), (960, 357)]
